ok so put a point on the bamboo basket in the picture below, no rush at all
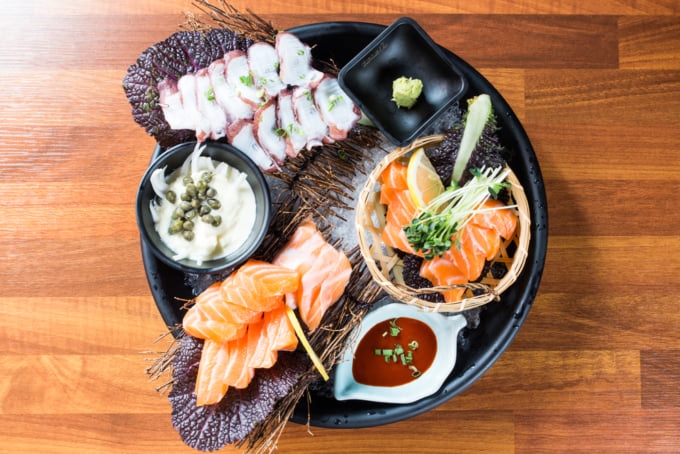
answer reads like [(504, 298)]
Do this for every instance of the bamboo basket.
[(385, 265)]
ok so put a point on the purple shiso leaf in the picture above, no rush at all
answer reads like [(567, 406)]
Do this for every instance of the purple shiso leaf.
[(211, 427), (181, 53)]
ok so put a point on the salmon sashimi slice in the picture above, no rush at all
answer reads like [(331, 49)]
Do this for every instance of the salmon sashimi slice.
[(259, 354), (492, 215), (441, 271), (395, 237), (259, 285), (487, 242), (324, 272), (401, 210), (322, 285), (212, 318), (305, 242), (210, 387), (467, 260), (237, 374), (394, 175), (222, 365), (280, 332)]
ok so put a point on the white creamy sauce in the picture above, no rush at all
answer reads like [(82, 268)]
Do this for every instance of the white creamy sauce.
[(237, 210)]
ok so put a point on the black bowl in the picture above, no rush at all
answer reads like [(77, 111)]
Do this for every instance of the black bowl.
[(172, 159), (403, 49)]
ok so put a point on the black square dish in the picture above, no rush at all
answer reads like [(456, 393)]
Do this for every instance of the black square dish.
[(403, 49)]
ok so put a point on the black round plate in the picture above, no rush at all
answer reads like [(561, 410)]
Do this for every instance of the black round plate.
[(478, 348)]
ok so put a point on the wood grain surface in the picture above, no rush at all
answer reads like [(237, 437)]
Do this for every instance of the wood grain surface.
[(596, 366)]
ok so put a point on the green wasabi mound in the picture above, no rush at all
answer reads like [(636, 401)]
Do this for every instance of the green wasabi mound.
[(406, 90)]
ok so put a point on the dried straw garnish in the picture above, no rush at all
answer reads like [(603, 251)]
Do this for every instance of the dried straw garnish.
[(226, 15)]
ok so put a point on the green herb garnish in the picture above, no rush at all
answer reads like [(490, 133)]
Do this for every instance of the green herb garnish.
[(333, 100)]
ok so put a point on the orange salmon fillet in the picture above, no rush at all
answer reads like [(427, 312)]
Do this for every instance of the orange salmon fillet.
[(324, 272), (222, 365), (213, 318), (280, 332), (259, 285), (259, 354), (503, 221), (442, 271), (210, 388), (400, 207)]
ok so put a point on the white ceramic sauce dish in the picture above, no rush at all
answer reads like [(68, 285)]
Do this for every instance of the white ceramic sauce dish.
[(445, 329)]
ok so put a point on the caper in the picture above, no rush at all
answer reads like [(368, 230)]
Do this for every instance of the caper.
[(214, 204), (190, 214), (207, 176), (186, 206), (207, 218), (211, 192), (202, 185), (175, 227), (188, 235), (217, 220), (178, 213), (204, 209), (188, 225), (187, 180), (191, 190), (171, 196), (195, 203), (186, 197)]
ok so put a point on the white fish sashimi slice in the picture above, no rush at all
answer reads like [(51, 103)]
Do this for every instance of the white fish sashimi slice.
[(187, 88), (225, 95), (213, 113), (295, 61), (238, 75), (292, 131), (337, 109), (263, 62), (241, 136), (268, 134), (308, 116), (171, 104)]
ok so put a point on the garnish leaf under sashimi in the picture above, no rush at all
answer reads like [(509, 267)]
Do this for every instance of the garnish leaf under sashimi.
[(181, 53), (211, 427)]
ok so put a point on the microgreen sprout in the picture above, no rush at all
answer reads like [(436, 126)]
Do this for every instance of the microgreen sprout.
[(434, 230)]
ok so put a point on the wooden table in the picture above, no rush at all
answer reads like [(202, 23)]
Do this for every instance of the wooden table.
[(596, 366)]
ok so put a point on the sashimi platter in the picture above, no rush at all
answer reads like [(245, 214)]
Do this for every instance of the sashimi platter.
[(321, 254)]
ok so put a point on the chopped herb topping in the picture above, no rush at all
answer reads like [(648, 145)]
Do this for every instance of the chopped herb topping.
[(333, 100), (398, 354)]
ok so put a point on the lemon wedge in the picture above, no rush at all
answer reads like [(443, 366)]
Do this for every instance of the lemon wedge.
[(422, 179)]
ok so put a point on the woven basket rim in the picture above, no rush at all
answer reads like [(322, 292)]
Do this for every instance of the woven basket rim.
[(400, 292)]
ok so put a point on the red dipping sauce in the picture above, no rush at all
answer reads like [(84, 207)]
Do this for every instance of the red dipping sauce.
[(369, 368)]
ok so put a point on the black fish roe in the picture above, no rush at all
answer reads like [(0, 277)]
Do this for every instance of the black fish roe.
[(488, 153), (411, 272), (444, 155)]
